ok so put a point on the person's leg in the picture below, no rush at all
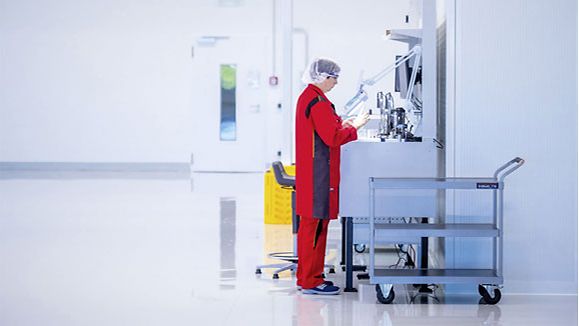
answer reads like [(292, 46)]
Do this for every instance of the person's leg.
[(320, 252), (308, 253)]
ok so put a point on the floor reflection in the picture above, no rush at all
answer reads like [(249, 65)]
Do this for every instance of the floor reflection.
[(309, 311), (489, 314), (227, 223), (160, 254), (352, 309)]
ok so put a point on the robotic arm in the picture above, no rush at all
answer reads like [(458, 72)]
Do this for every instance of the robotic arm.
[(354, 104)]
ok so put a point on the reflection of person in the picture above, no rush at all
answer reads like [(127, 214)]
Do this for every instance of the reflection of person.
[(309, 311), (319, 134)]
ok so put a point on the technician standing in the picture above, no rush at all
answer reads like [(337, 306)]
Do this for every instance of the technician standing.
[(319, 134)]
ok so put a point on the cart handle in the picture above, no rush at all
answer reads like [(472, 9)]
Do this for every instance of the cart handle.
[(517, 160)]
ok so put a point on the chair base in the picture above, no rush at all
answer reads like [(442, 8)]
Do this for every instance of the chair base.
[(284, 267)]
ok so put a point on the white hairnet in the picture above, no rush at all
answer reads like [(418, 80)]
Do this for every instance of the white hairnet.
[(320, 69)]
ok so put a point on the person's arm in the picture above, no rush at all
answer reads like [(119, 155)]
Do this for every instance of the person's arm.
[(330, 127)]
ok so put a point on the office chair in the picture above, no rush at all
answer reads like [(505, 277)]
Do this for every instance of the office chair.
[(290, 257)]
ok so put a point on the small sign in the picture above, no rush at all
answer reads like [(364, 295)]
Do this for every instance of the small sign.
[(487, 185)]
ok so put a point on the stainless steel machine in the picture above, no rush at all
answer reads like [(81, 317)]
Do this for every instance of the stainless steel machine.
[(401, 153), (403, 138)]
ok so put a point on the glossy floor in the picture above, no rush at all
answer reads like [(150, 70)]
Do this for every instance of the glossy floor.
[(155, 251)]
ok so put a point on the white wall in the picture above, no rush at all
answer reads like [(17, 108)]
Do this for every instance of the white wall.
[(107, 81), (353, 35), (111, 81), (516, 95)]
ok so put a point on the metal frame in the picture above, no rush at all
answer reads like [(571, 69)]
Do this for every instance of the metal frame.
[(493, 277)]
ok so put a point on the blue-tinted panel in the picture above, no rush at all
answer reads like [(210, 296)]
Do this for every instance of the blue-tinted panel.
[(228, 125)]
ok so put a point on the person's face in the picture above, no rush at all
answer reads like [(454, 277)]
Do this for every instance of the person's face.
[(328, 84)]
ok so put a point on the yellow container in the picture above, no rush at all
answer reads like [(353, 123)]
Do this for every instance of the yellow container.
[(278, 199)]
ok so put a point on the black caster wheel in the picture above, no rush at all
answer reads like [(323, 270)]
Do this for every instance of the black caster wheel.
[(486, 297), (359, 248), (275, 276), (332, 271), (384, 299), (363, 276), (423, 288), (258, 271)]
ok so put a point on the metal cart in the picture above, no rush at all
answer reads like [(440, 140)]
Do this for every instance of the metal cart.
[(487, 279)]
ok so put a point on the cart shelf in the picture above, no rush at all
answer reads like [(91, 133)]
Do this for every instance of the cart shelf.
[(437, 276), (394, 230), (437, 183)]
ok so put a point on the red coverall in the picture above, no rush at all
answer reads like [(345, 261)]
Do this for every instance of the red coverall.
[(319, 135)]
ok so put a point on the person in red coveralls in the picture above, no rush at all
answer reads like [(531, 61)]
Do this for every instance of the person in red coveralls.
[(319, 134)]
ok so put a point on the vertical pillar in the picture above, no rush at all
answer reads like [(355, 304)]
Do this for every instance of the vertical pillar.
[(286, 7)]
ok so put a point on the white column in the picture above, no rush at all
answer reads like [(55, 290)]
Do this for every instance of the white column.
[(286, 8)]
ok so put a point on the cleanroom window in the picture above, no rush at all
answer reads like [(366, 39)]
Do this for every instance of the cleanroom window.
[(228, 73)]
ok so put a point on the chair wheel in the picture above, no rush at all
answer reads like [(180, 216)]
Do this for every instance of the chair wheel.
[(332, 271), (275, 276), (258, 271)]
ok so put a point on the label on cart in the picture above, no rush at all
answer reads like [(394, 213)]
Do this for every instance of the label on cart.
[(487, 185)]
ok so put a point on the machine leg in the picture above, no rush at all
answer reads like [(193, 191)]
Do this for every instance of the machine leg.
[(424, 258), (343, 222), (349, 255), (424, 248)]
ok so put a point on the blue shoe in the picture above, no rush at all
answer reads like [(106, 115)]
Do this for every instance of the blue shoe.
[(325, 282), (323, 289)]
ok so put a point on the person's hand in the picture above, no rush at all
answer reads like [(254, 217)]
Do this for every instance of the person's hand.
[(348, 122), (361, 120)]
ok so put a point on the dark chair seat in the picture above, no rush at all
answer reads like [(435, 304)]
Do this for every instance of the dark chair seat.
[(281, 176)]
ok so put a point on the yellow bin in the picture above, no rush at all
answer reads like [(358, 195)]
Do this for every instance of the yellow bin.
[(278, 199)]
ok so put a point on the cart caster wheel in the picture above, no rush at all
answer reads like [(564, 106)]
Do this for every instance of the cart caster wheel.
[(258, 271), (360, 248), (332, 271), (486, 297), (275, 276), (380, 296)]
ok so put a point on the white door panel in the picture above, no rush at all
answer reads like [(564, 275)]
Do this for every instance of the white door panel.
[(244, 153)]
